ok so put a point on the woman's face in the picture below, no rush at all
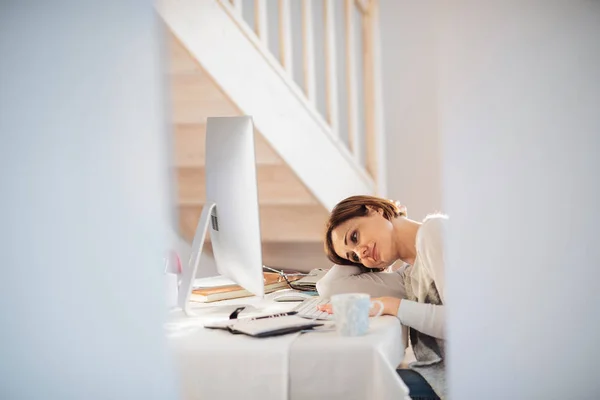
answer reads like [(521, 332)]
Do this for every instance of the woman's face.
[(367, 240)]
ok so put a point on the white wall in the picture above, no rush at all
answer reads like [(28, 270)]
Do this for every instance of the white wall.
[(519, 121), (85, 209), (409, 62)]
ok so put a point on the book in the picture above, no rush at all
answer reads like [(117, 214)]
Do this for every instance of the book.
[(205, 291), (266, 326)]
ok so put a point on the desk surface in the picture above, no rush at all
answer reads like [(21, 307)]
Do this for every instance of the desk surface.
[(217, 364)]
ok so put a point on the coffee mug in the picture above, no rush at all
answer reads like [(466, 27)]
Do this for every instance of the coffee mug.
[(351, 312)]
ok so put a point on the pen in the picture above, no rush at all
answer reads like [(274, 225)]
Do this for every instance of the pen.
[(275, 315)]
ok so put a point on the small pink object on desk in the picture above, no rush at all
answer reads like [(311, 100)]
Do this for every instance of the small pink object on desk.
[(172, 275)]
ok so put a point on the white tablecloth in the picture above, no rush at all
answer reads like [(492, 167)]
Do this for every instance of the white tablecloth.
[(320, 365)]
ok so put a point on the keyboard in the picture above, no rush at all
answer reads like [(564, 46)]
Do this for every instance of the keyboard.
[(308, 309)]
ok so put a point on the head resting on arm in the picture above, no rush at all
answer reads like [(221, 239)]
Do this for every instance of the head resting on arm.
[(361, 209)]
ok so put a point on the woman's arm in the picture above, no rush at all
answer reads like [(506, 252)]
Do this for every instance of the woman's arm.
[(349, 279), (427, 318)]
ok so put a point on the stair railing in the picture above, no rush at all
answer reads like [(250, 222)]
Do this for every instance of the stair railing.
[(352, 106)]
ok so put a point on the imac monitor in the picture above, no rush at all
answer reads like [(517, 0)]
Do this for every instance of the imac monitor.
[(230, 212)]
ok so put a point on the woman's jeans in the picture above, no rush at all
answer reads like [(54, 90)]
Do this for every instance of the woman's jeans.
[(417, 385)]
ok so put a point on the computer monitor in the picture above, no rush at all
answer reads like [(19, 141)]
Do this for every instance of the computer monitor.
[(231, 208)]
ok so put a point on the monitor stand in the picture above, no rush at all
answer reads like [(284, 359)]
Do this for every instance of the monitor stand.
[(188, 273)]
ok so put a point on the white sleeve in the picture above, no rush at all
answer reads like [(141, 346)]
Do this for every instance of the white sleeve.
[(349, 279), (431, 248), (427, 318)]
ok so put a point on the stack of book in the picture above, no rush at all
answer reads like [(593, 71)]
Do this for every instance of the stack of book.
[(205, 292)]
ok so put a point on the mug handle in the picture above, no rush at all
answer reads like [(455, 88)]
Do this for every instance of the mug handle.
[(373, 302)]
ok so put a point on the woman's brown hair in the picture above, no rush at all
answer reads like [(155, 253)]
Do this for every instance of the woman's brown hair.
[(352, 207)]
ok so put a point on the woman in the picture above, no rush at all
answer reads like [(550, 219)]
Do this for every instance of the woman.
[(369, 233)]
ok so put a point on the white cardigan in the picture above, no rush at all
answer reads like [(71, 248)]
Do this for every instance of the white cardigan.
[(428, 266)]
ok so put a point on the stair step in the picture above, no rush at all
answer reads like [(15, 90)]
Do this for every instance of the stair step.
[(298, 256), (278, 223), (277, 184), (190, 149), (180, 60), (195, 97)]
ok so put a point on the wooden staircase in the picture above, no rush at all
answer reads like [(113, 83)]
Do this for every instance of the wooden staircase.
[(292, 220), (308, 159)]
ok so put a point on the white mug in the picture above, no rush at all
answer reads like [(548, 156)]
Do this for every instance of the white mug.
[(351, 312)]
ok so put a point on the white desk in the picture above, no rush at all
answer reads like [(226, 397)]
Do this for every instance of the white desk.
[(320, 365)]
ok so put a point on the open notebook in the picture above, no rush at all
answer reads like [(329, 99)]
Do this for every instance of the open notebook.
[(266, 326)]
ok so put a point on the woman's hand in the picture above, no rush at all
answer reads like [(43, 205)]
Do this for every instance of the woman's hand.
[(390, 306)]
